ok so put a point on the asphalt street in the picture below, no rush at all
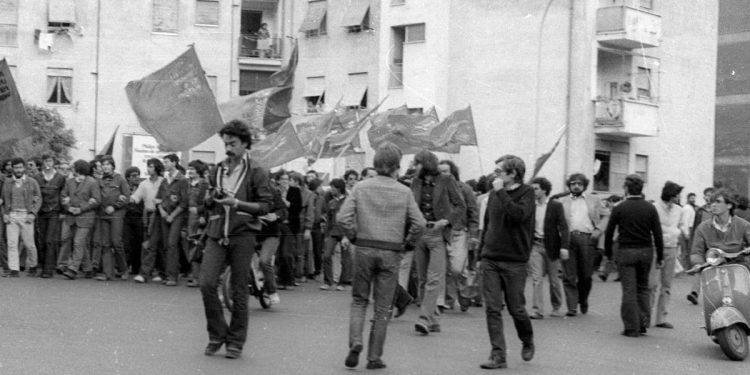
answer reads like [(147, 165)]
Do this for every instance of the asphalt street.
[(88, 327)]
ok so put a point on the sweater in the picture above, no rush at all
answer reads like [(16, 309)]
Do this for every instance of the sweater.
[(509, 225), (637, 224)]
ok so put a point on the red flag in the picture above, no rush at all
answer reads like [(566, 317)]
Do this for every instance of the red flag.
[(14, 123), (175, 103), (285, 76), (109, 146), (262, 110), (411, 133), (453, 132), (278, 148), (542, 159)]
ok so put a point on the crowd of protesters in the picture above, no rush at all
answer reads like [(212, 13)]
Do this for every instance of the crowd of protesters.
[(419, 236)]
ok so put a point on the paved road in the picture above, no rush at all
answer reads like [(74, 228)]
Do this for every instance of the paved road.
[(88, 327)]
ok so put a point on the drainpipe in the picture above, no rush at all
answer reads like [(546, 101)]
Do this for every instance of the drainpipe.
[(568, 115), (96, 86), (538, 94)]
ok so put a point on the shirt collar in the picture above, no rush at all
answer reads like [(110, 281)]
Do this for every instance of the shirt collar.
[(722, 228), (21, 179)]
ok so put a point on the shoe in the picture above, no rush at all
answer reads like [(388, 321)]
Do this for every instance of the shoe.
[(352, 359), (401, 309), (536, 316), (665, 325), (375, 365), (325, 287), (13, 273), (46, 275), (60, 270), (31, 272), (630, 333), (477, 304), (642, 331), (233, 352), (494, 365), (693, 298), (212, 348), (527, 353), (274, 298), (102, 278), (139, 279), (584, 308), (422, 327), (340, 288), (464, 303), (571, 313), (125, 276), (88, 275), (556, 313), (69, 274), (157, 279), (170, 283), (193, 283), (435, 328)]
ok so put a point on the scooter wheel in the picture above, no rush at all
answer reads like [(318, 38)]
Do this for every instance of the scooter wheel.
[(733, 342)]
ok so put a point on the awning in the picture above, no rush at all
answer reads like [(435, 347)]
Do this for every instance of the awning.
[(316, 11), (63, 11), (356, 12), (267, 5), (355, 90), (251, 80), (314, 86)]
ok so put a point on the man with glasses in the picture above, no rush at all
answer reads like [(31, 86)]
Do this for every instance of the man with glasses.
[(583, 213)]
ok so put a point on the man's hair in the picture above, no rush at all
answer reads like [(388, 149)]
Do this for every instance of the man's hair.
[(614, 198), (387, 159), (173, 158), (37, 161), (670, 191), (578, 177), (483, 184), (429, 163), (108, 159), (157, 164), (512, 163), (281, 172), (472, 184), (349, 173), (47, 157), (82, 167), (314, 184), (237, 128), (16, 161), (297, 177), (365, 170), (690, 195), (708, 190), (728, 196), (199, 166), (339, 184), (543, 183), (452, 166), (132, 170), (634, 184), (742, 202)]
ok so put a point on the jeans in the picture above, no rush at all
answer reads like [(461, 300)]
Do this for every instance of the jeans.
[(505, 279), (577, 271), (79, 256), (455, 280), (376, 269), (215, 260), (286, 250), (49, 231), (661, 280), (171, 233), (330, 246), (19, 228), (132, 235), (404, 269), (430, 257), (113, 251), (155, 249), (539, 265), (633, 265), (267, 251)]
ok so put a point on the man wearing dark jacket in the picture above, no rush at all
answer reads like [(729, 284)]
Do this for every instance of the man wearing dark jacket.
[(51, 184), (115, 195), (550, 244), (509, 228)]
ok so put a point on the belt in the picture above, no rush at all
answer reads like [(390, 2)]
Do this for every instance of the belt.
[(579, 233), (538, 239)]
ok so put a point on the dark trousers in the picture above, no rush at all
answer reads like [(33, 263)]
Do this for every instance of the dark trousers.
[(153, 255), (506, 279), (285, 255), (577, 270), (215, 260), (3, 248), (172, 238), (376, 269), (318, 239), (634, 265), (346, 262), (132, 235), (113, 251), (49, 241)]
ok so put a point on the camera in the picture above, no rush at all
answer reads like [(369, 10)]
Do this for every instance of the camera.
[(219, 193)]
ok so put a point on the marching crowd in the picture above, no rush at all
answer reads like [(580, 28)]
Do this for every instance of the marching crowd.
[(420, 236)]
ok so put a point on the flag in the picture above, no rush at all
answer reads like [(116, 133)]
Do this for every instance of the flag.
[(14, 123), (285, 76), (109, 146), (278, 148), (175, 104), (410, 132), (544, 157), (313, 131), (264, 110), (453, 132)]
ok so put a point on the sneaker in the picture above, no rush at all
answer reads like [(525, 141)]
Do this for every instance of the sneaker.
[(325, 287), (139, 279), (171, 283), (340, 288), (557, 313), (536, 316), (102, 278), (422, 328), (157, 279), (274, 298), (193, 283)]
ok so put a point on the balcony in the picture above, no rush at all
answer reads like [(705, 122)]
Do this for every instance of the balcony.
[(258, 50), (624, 27), (624, 118)]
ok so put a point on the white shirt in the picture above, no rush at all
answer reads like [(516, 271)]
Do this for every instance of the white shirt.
[(146, 192), (579, 215), (541, 212), (670, 218), (688, 218)]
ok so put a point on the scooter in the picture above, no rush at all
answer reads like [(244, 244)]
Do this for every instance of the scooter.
[(726, 300)]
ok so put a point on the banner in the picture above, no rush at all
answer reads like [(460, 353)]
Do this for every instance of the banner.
[(542, 159), (285, 76), (14, 123), (453, 132), (175, 104), (278, 148), (264, 110)]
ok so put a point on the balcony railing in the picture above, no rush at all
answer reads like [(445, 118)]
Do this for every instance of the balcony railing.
[(624, 27), (625, 118), (258, 47)]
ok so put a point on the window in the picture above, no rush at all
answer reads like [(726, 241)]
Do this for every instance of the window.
[(415, 33), (207, 12), (397, 57), (641, 166), (601, 178), (315, 103), (357, 18), (165, 17), (59, 86), (254, 80), (355, 94), (646, 4), (614, 90), (415, 111), (9, 23), (212, 83), (314, 94), (643, 82), (315, 22), (61, 15)]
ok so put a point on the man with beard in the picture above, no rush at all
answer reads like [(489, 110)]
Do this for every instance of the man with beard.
[(583, 213), (241, 193), (51, 184), (22, 199), (80, 199)]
